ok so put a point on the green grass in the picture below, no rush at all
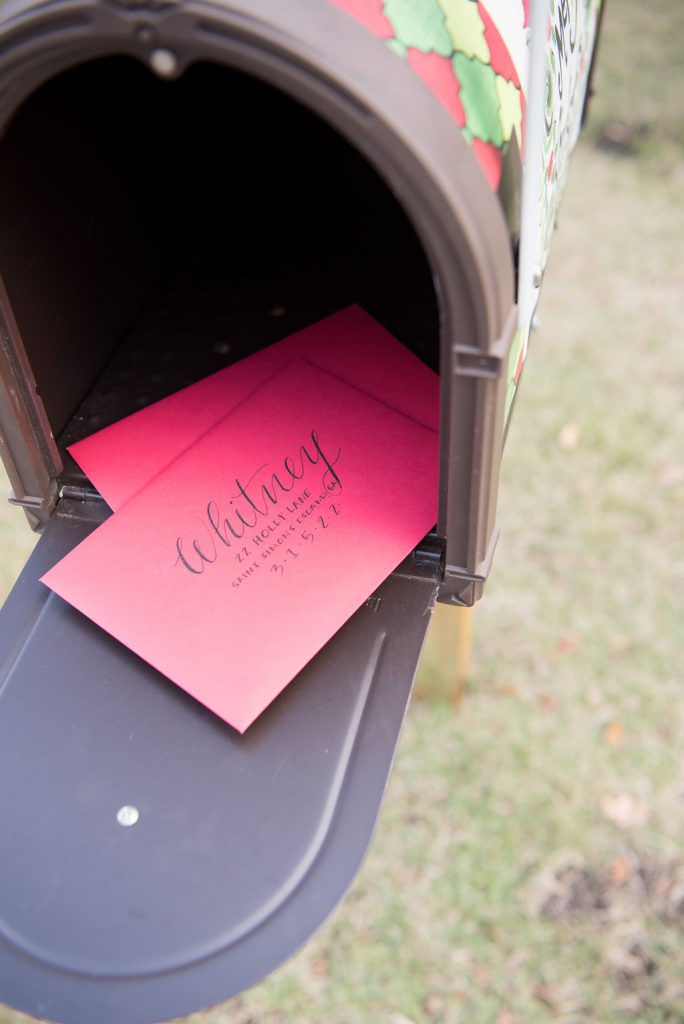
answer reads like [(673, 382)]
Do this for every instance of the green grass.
[(639, 78), (576, 683)]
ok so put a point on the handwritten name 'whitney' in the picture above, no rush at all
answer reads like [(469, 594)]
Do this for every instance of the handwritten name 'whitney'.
[(251, 503)]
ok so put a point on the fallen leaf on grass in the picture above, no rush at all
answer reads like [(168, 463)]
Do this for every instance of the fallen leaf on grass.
[(621, 870), (670, 476), (433, 1006), (624, 810), (631, 1005), (569, 642), (461, 956), (621, 643), (568, 439), (544, 994), (505, 1017), (517, 960), (668, 893), (563, 997), (614, 734)]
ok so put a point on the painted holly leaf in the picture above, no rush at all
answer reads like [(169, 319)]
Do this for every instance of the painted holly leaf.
[(466, 28), (419, 25), (479, 99), (457, 50), (510, 109)]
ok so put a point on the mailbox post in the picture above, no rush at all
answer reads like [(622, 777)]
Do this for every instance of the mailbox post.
[(173, 175)]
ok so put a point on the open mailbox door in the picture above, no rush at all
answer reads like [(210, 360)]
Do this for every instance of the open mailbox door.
[(181, 184)]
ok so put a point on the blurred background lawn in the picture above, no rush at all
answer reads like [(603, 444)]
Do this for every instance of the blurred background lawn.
[(528, 865)]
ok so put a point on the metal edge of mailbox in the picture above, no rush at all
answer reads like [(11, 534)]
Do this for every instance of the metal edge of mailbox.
[(333, 66)]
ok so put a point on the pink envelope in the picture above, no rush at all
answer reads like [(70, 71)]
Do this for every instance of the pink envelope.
[(237, 563), (122, 458)]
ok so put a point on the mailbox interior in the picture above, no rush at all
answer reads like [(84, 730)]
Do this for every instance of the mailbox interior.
[(151, 232)]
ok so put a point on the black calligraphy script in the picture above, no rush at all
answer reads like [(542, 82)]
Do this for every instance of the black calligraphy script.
[(251, 503)]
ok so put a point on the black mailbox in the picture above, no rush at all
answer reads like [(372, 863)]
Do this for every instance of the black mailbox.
[(181, 183)]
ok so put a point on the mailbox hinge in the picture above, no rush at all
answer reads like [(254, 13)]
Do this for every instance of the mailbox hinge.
[(430, 551), (426, 561), (72, 493)]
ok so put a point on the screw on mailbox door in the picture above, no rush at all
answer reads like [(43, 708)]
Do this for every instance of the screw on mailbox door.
[(127, 816), (164, 63)]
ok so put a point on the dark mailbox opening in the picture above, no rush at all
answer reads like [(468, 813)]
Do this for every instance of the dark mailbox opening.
[(153, 232)]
